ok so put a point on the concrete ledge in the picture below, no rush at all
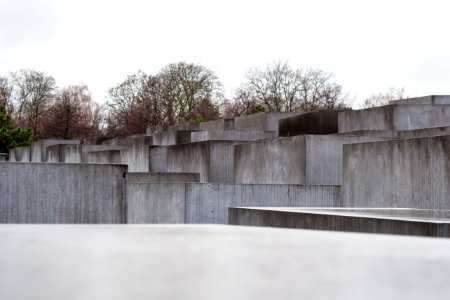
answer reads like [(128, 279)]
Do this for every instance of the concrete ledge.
[(231, 135), (387, 221), (162, 177), (39, 149)]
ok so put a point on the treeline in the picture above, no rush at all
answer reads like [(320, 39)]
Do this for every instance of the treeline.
[(179, 92)]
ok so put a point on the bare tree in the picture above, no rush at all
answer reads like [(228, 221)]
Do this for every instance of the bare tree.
[(72, 115), (5, 91), (243, 103), (384, 98), (34, 90), (281, 88)]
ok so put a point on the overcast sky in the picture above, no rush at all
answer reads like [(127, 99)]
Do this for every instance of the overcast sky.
[(370, 46)]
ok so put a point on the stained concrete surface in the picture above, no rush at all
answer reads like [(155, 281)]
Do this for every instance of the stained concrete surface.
[(418, 222), (315, 122), (217, 262)]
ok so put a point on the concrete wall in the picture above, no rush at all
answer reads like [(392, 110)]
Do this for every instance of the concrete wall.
[(316, 122), (264, 121), (335, 220), (155, 129), (117, 141), (171, 137), (137, 158), (139, 141), (411, 173), (212, 159), (79, 153), (3, 157), (431, 100), (162, 177), (158, 159), (231, 135), (222, 124), (208, 203), (104, 157), (56, 153), (62, 193), (395, 117), (428, 132), (21, 154), (39, 148), (306, 159)]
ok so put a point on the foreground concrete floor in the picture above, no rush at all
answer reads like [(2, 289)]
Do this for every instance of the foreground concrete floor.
[(217, 262)]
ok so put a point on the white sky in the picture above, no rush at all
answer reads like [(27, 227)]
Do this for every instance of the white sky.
[(369, 45)]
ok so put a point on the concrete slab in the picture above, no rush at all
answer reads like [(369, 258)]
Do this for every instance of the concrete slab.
[(133, 177), (378, 220), (220, 262), (104, 157), (315, 122), (231, 135), (39, 148), (222, 124), (408, 173), (79, 153), (263, 121), (430, 100)]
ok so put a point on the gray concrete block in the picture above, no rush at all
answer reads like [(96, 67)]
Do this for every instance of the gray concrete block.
[(264, 121), (222, 124), (39, 148), (3, 157), (62, 193), (212, 159), (430, 100), (189, 126), (118, 141), (97, 140), (171, 137), (158, 159), (208, 203), (12, 155), (315, 122), (155, 203), (305, 159), (386, 221), (231, 135), (140, 141), (56, 153), (137, 158), (410, 173), (427, 132), (79, 153), (395, 117), (229, 262), (20, 154), (156, 129), (104, 157), (162, 177)]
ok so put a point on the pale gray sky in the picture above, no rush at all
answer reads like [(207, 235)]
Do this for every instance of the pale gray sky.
[(369, 45)]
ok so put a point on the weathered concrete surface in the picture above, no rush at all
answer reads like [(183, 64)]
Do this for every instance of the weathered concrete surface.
[(21, 154), (315, 122), (427, 132), (3, 157), (39, 148), (231, 135), (411, 173), (208, 203), (222, 124), (212, 159), (97, 140), (140, 141), (162, 177), (56, 153), (192, 126), (306, 159), (158, 159), (155, 129), (432, 100), (395, 117), (155, 203), (62, 193), (79, 153), (117, 141), (264, 121), (389, 221), (137, 158), (221, 262), (104, 157), (171, 137)]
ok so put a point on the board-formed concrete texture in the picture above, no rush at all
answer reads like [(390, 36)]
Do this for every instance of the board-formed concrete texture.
[(220, 262), (62, 193), (315, 122), (171, 137), (209, 203), (432, 100), (231, 135), (104, 157), (263, 121), (39, 148), (411, 173), (222, 124), (305, 159), (388, 221), (395, 117), (20, 154), (117, 141), (79, 153), (162, 177), (137, 158), (212, 159)]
